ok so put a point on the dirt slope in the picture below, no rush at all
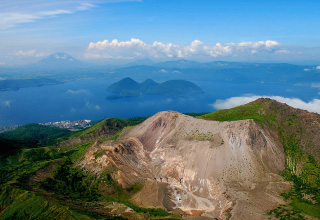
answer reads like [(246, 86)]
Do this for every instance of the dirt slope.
[(196, 167)]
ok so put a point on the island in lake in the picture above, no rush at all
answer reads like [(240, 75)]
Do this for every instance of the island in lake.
[(128, 87)]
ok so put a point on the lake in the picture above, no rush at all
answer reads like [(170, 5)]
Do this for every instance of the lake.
[(86, 99)]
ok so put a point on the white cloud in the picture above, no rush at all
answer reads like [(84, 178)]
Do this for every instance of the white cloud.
[(315, 85), (92, 106), (318, 67), (312, 106), (85, 6), (282, 51), (163, 71), (18, 12), (6, 103), (80, 91), (15, 12), (137, 48), (54, 12), (29, 53)]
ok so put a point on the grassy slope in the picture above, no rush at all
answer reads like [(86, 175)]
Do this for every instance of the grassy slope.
[(17, 203), (300, 142), (36, 135), (107, 127), (67, 182)]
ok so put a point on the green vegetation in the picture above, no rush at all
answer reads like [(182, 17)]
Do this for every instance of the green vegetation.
[(138, 118), (77, 153), (194, 114), (8, 147), (33, 135), (250, 111), (196, 135), (301, 166), (70, 181), (61, 182), (156, 212), (21, 204), (107, 127), (283, 213), (17, 169)]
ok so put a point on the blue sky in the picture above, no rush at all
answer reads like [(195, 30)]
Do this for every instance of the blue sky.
[(203, 30)]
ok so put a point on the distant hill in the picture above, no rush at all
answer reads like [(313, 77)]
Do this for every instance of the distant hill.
[(176, 87), (127, 87)]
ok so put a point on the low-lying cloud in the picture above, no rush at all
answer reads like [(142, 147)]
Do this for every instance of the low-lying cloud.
[(136, 48), (315, 85), (79, 91), (92, 106), (29, 53), (311, 106), (6, 103)]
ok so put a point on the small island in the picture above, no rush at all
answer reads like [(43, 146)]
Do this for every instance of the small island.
[(128, 87)]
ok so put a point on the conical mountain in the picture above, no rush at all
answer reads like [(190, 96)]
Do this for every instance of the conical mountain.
[(147, 85), (125, 85)]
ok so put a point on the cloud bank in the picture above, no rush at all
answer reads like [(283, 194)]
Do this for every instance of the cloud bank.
[(136, 48), (312, 106)]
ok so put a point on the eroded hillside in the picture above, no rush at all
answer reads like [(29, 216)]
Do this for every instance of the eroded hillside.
[(196, 167)]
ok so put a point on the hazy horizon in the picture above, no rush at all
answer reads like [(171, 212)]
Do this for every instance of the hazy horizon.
[(121, 31)]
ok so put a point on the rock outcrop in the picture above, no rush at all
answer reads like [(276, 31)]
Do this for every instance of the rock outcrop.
[(196, 167)]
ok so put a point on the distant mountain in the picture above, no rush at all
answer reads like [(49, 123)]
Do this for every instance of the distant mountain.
[(179, 64), (176, 88), (223, 71), (147, 85), (146, 62), (127, 87), (61, 60), (59, 57)]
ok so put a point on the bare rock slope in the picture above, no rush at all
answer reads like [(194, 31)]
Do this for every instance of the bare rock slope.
[(196, 167)]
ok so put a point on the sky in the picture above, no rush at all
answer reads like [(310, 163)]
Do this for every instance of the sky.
[(126, 30)]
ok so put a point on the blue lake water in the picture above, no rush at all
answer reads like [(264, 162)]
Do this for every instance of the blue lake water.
[(85, 99)]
